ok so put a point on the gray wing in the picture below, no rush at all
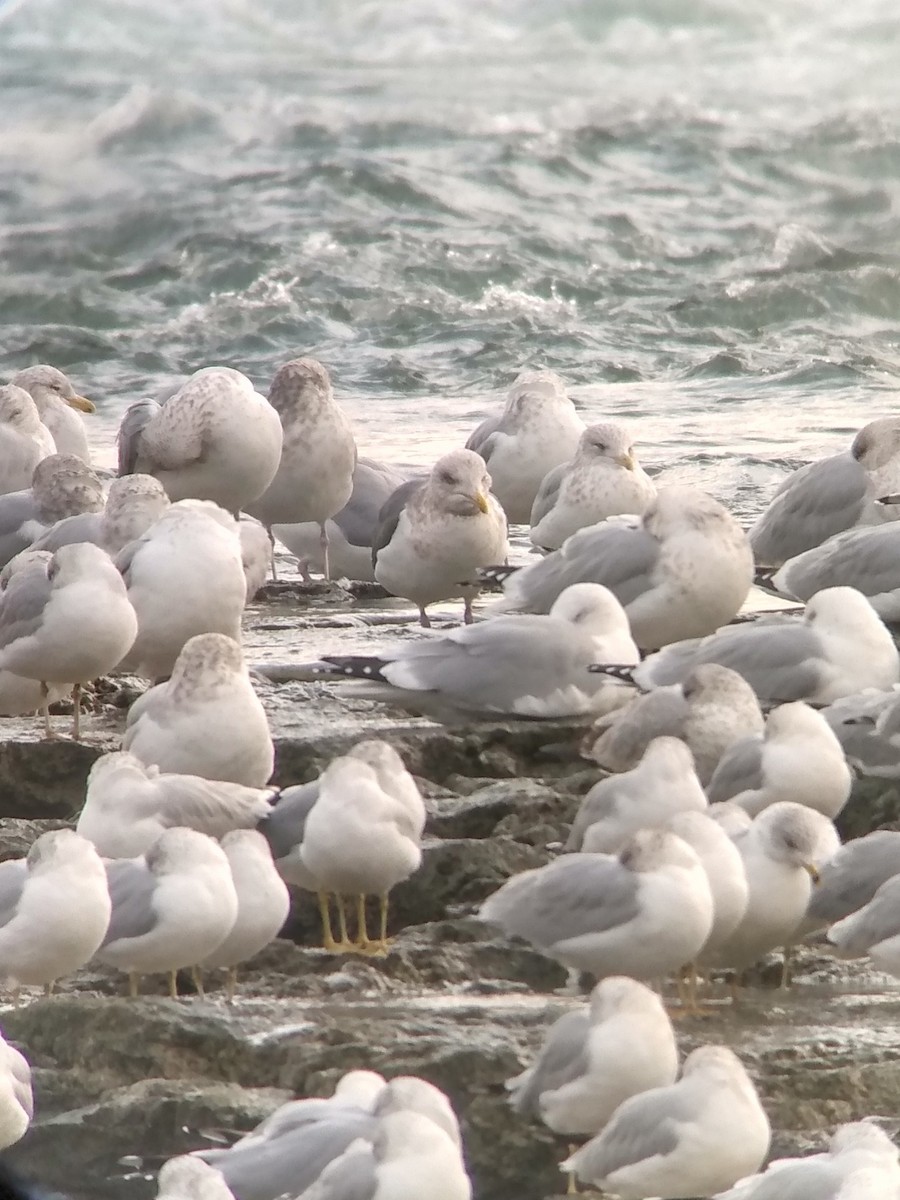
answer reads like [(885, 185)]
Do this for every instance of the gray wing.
[(878, 920), (389, 516), (867, 559), (285, 825), (548, 492), (812, 505), (575, 895), (480, 439), (82, 527), (373, 485), (660, 713), (22, 604), (16, 510), (350, 1177), (739, 770), (13, 876), (852, 877), (137, 417), (616, 554), (643, 1127), (613, 795), (131, 888), (561, 1060)]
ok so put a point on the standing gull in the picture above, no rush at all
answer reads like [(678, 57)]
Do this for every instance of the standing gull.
[(215, 439), (693, 1138), (831, 495), (256, 553), (318, 454), (602, 480), (58, 405), (709, 711), (16, 1098), (538, 430), (619, 1044), (170, 908), (435, 534), (24, 440), (519, 665), (68, 627), (839, 647), (61, 487), (682, 571), (206, 719)]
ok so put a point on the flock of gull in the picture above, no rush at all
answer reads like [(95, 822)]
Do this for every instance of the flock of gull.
[(726, 749)]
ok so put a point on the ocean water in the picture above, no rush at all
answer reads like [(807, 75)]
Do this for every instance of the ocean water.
[(689, 210)]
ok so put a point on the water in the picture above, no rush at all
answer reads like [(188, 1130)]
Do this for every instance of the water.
[(690, 211)]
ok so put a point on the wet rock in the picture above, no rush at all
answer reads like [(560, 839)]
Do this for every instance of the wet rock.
[(522, 808), (41, 778), (17, 836)]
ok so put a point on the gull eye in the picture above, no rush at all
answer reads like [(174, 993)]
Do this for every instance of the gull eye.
[(447, 478)]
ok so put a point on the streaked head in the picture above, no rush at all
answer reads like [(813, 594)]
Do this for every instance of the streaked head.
[(207, 660), (877, 443), (63, 485), (656, 849), (181, 849), (459, 483), (300, 386), (680, 509), (610, 442)]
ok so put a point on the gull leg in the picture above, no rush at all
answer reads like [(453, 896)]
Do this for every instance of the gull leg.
[(49, 735), (468, 618), (423, 618), (173, 985), (345, 943), (272, 555), (48, 987), (362, 934), (231, 977), (383, 910), (787, 977), (328, 942), (133, 984), (197, 977), (76, 712), (323, 541), (571, 1177)]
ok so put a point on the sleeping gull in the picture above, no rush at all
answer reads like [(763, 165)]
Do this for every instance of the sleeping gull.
[(256, 553), (170, 908), (318, 454), (61, 487), (853, 1148), (360, 840), (682, 571), (189, 1178), (645, 913), (522, 665), (58, 405), (54, 909), (215, 439), (619, 1044), (693, 1138), (664, 782), (602, 480), (839, 647), (351, 531), (798, 758), (710, 710), (185, 576), (129, 804), (28, 572), (69, 626), (873, 930), (16, 1098), (133, 504), (435, 534), (24, 440), (263, 905), (831, 495), (867, 559), (538, 430), (849, 880), (206, 719)]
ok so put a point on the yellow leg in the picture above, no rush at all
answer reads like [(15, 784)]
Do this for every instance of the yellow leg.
[(133, 984), (345, 942), (362, 933), (571, 1177), (48, 987), (76, 712), (326, 559), (328, 941)]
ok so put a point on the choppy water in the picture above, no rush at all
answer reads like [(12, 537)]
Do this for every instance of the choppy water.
[(689, 210)]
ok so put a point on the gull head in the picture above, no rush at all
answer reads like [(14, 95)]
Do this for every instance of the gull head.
[(534, 391), (63, 485), (207, 661), (84, 561), (18, 410), (119, 766), (459, 484), (58, 848), (717, 1065), (863, 1136), (409, 1092), (794, 720), (792, 834), (668, 756), (181, 849), (620, 994), (712, 682), (678, 509), (300, 386), (607, 442), (877, 443), (592, 607), (656, 849), (46, 383)]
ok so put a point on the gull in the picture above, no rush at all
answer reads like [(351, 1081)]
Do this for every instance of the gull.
[(538, 430), (682, 571), (133, 504), (602, 480), (16, 1098), (849, 880), (522, 665), (263, 905), (206, 719), (826, 497), (872, 930), (69, 626), (350, 532), (798, 758), (314, 477), (867, 725), (170, 908), (692, 1138), (189, 1178), (61, 487), (215, 439), (27, 572), (435, 534), (645, 913), (185, 576), (54, 909), (839, 647), (58, 404), (595, 1057), (24, 440), (710, 710), (256, 553), (664, 782), (129, 804)]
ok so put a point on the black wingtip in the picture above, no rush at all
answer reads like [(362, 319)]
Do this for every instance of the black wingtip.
[(493, 578), (625, 673), (763, 577), (354, 666), (893, 498)]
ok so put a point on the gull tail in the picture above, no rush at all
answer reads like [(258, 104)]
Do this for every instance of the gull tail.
[(353, 666), (625, 673), (893, 498)]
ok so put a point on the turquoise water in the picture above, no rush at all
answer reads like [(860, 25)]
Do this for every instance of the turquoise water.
[(689, 210)]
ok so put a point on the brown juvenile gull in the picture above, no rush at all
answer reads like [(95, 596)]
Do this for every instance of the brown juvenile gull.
[(69, 626), (58, 405), (60, 487), (831, 495), (602, 480), (215, 439), (682, 571), (133, 504), (24, 440), (435, 534), (537, 430), (315, 475)]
